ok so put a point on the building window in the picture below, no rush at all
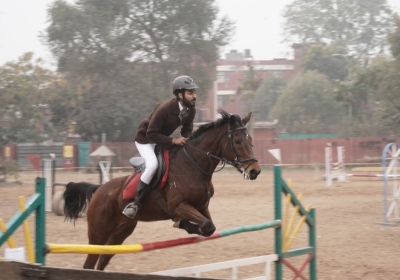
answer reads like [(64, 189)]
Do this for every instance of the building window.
[(223, 100), (223, 76)]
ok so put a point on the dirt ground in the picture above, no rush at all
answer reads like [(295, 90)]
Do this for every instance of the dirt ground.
[(350, 243)]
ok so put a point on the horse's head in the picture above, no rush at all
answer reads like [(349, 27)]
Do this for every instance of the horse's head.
[(240, 148)]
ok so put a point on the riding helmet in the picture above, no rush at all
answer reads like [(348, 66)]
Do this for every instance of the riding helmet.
[(183, 82)]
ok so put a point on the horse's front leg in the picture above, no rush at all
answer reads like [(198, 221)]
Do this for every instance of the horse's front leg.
[(190, 227), (202, 223)]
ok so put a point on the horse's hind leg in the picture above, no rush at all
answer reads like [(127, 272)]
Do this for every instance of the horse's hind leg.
[(97, 236), (91, 259), (117, 238)]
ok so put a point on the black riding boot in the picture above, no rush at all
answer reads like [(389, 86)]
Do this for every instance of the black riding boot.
[(132, 208)]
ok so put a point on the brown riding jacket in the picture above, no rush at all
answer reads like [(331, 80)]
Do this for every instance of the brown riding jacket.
[(162, 122)]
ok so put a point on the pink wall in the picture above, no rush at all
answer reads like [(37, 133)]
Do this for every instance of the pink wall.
[(311, 151), (293, 151)]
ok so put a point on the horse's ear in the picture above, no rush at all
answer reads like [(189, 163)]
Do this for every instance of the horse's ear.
[(246, 119)]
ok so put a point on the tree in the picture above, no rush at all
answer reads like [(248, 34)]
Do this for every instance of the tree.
[(267, 96), (386, 78), (98, 105), (251, 83), (26, 90), (376, 90), (359, 25), (329, 60), (307, 105), (394, 40), (127, 52)]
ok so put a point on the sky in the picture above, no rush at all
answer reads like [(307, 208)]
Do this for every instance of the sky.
[(258, 27)]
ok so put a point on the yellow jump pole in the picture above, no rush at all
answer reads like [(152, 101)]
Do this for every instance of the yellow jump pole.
[(25, 225), (286, 213), (10, 240), (296, 230), (94, 249), (292, 218)]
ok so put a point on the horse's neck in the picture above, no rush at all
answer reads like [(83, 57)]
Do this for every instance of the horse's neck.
[(212, 144)]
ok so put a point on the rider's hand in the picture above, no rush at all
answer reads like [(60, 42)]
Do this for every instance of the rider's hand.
[(179, 141)]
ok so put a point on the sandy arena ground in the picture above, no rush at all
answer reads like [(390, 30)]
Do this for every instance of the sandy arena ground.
[(351, 245)]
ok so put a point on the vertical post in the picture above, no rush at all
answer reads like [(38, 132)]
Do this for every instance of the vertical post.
[(105, 171), (53, 177), (40, 221), (312, 241), (49, 175), (328, 163), (344, 164), (278, 216), (342, 171), (389, 152)]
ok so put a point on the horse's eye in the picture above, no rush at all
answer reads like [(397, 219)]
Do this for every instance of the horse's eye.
[(238, 141)]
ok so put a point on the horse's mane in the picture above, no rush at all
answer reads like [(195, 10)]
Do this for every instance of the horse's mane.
[(208, 126), (221, 121)]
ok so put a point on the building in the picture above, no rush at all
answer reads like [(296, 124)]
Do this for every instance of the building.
[(226, 92), (230, 73)]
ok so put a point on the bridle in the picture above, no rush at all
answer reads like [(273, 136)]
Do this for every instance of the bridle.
[(237, 162)]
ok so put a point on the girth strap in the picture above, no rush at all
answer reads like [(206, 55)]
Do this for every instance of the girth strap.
[(161, 201)]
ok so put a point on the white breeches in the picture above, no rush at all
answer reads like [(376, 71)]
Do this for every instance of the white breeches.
[(146, 151)]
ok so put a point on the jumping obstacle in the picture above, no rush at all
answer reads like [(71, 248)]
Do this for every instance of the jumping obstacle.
[(334, 170), (137, 248), (14, 252), (54, 200), (390, 174), (36, 203), (283, 237), (337, 170)]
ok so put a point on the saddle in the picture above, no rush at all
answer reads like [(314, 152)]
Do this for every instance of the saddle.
[(159, 179)]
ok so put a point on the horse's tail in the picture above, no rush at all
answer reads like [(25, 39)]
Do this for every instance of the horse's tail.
[(77, 197)]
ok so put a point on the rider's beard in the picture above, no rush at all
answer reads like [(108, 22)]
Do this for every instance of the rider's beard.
[(188, 103)]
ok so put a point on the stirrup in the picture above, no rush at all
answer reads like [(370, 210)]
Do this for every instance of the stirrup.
[(131, 210)]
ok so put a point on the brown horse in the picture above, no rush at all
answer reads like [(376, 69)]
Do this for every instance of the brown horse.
[(187, 192)]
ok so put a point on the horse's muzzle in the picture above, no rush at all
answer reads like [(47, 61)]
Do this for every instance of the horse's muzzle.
[(254, 173)]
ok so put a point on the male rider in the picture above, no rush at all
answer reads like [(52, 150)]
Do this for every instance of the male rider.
[(156, 130)]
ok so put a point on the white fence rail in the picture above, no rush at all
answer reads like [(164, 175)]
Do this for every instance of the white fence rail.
[(232, 265)]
